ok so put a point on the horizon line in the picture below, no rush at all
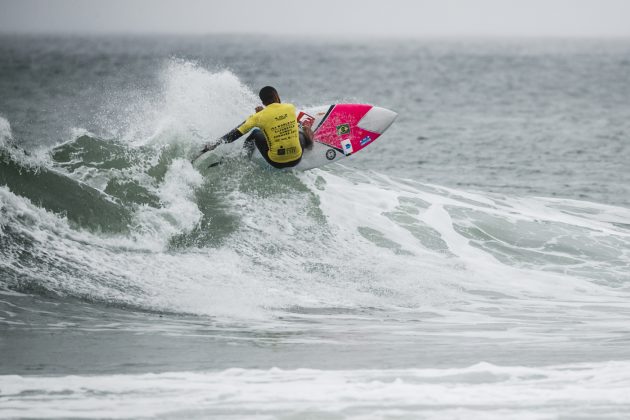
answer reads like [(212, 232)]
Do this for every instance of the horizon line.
[(45, 33)]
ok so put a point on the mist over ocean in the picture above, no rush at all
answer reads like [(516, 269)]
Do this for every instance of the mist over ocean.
[(474, 262)]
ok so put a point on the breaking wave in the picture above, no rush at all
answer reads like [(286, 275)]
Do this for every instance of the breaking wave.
[(128, 221)]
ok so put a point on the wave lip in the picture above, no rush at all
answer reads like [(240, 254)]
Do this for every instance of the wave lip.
[(480, 391)]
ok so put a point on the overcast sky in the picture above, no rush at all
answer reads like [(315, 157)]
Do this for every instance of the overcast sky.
[(322, 17)]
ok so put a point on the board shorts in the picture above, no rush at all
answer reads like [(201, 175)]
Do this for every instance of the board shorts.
[(258, 138)]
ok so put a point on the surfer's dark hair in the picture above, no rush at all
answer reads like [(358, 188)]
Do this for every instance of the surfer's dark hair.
[(268, 95)]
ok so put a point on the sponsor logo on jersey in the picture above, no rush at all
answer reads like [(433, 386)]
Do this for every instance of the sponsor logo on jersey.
[(281, 117), (331, 154), (365, 140), (343, 129), (346, 146)]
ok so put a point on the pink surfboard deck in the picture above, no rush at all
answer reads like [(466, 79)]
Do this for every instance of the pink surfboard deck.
[(341, 130)]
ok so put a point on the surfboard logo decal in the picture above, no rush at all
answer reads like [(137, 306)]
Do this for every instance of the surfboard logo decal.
[(346, 146), (331, 154), (305, 120), (365, 140), (343, 129)]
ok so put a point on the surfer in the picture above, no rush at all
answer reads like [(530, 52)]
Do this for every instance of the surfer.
[(276, 132)]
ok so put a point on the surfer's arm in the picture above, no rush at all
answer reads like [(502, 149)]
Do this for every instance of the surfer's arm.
[(234, 134), (229, 137)]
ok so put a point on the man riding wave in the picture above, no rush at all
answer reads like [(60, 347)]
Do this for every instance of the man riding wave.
[(276, 133)]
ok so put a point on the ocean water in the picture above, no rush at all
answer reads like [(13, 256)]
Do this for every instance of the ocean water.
[(473, 263)]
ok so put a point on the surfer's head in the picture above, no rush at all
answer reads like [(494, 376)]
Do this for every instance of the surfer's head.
[(269, 95)]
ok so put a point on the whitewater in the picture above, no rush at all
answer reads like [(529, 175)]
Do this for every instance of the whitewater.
[(438, 276)]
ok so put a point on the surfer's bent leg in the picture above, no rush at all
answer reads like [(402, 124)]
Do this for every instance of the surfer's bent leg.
[(258, 139), (263, 147)]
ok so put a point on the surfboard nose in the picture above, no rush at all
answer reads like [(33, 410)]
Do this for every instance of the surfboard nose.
[(377, 120)]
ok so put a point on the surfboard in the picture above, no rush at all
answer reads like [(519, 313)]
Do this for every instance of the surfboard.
[(339, 131)]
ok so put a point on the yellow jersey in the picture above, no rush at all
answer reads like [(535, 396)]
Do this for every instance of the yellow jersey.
[(279, 123)]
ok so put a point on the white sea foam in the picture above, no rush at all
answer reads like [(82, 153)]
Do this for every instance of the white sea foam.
[(481, 391)]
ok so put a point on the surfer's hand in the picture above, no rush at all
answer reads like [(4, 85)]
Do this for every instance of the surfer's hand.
[(259, 108), (208, 147), (205, 149), (308, 131)]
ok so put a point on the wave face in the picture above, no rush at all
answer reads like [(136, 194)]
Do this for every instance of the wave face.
[(338, 238), (386, 287)]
